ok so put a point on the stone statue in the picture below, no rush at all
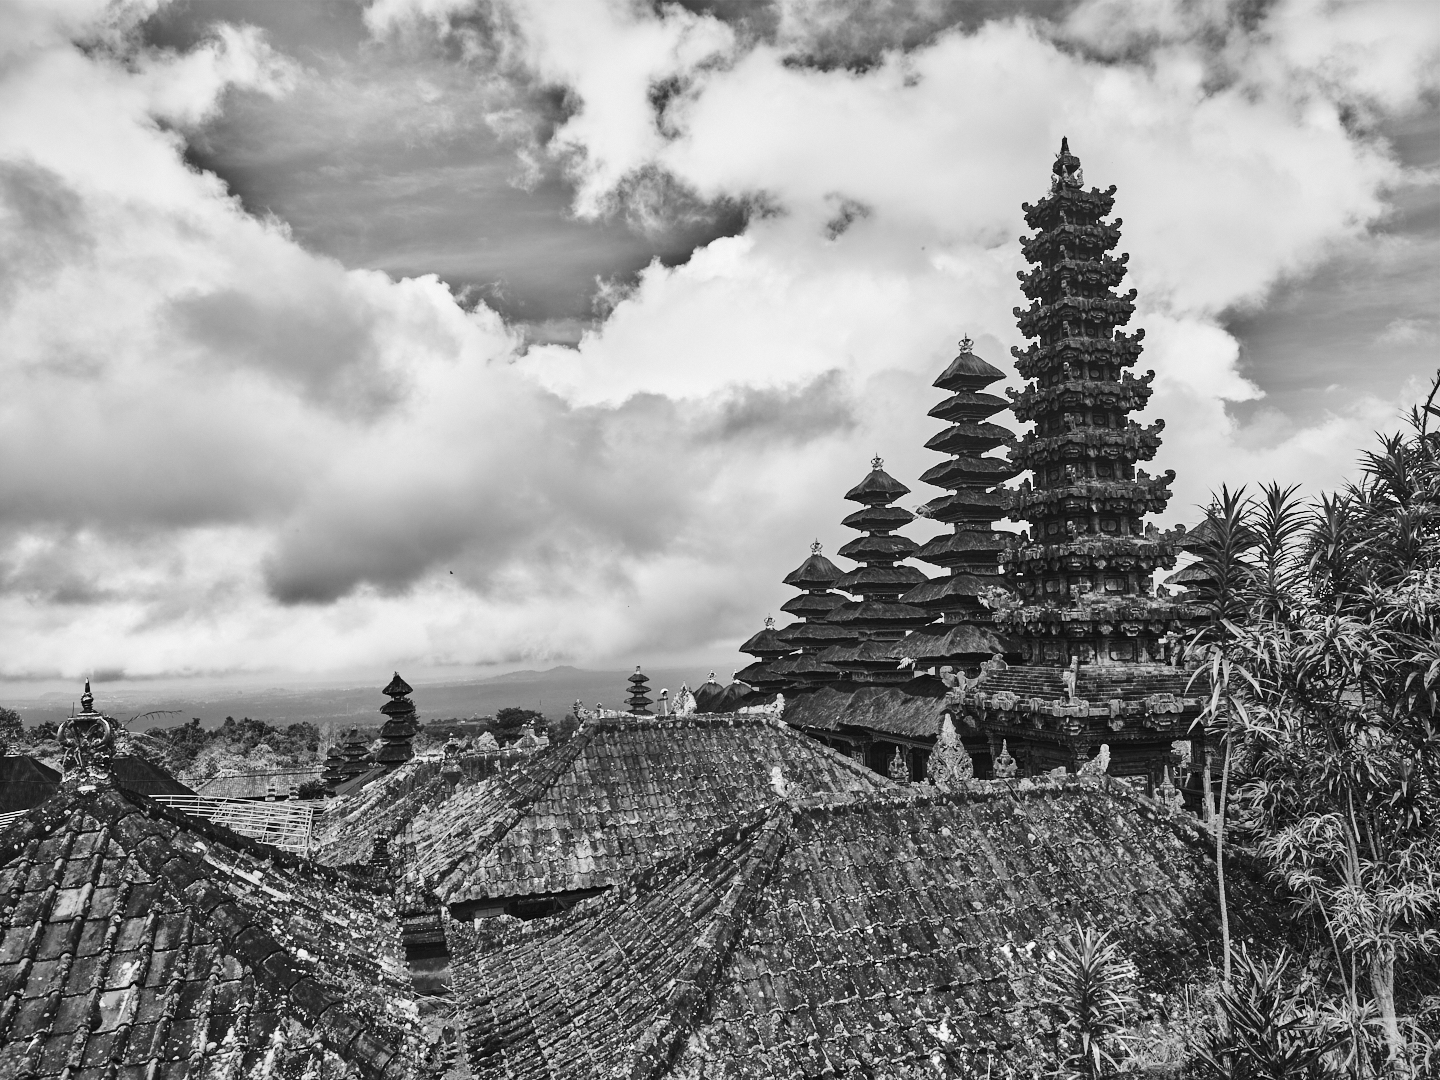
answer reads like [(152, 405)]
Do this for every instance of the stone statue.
[(950, 765), (1004, 763)]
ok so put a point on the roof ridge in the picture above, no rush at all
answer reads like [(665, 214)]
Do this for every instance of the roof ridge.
[(883, 782), (694, 720), (693, 987), (534, 782)]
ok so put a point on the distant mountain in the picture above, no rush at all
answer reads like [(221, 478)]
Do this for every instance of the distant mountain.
[(551, 692)]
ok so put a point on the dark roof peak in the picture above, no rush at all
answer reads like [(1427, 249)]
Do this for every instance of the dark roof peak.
[(816, 572), (878, 488), (967, 371), (397, 687)]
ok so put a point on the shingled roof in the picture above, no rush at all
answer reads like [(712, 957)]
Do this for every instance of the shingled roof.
[(140, 942), (619, 795), (859, 939), (347, 832), (914, 710)]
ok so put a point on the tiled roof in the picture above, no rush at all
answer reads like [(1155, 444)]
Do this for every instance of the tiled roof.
[(857, 939), (139, 942), (26, 782), (346, 834), (256, 785), (914, 710), (615, 798)]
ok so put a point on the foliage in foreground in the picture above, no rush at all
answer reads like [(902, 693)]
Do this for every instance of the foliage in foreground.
[(1323, 648)]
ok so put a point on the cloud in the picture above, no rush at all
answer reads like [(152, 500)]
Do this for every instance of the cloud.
[(215, 440), (221, 449)]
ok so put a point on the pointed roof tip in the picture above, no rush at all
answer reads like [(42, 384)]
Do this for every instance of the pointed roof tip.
[(878, 488), (815, 547), (397, 687), (877, 462), (1064, 144)]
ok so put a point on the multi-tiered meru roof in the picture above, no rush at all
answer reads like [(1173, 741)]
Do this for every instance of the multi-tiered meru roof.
[(813, 633), (1083, 569), (970, 552), (767, 646), (879, 618)]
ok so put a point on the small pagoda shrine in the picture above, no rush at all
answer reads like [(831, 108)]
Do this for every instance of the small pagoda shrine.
[(1088, 620), (967, 636), (400, 725), (878, 619), (639, 699), (813, 633)]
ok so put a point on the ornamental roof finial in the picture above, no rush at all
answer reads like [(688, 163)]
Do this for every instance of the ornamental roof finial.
[(815, 548), (966, 345), (1067, 167), (877, 462), (769, 622), (88, 739)]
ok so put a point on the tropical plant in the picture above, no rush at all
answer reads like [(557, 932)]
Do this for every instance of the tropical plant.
[(1323, 643), (1088, 985), (1269, 1030)]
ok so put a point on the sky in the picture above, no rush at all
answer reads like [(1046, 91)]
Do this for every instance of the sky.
[(459, 336)]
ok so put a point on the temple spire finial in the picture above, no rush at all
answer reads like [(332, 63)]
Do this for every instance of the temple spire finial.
[(88, 741), (967, 346), (877, 462), (815, 547)]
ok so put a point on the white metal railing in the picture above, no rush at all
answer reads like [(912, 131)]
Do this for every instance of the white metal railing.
[(285, 825)]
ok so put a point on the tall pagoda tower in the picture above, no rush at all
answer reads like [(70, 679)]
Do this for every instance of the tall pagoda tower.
[(967, 636), (813, 633), (878, 619), (639, 699), (399, 727), (1083, 570), (1088, 619)]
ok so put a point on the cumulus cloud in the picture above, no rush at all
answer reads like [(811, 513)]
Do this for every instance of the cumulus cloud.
[(220, 450)]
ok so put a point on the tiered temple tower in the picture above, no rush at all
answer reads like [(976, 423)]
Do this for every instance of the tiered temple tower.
[(400, 725), (347, 759), (1089, 621), (639, 700), (1084, 568), (766, 646), (879, 618), (813, 633), (967, 637)]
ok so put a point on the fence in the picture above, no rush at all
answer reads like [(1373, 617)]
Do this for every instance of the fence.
[(285, 825)]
